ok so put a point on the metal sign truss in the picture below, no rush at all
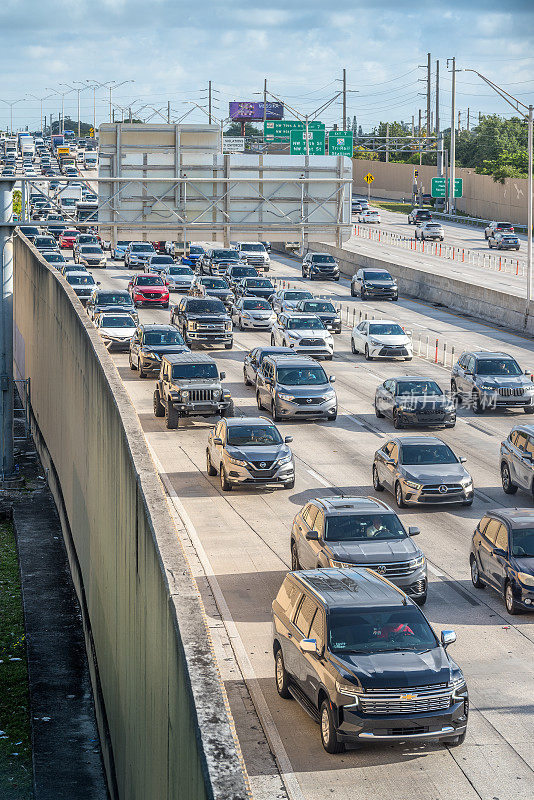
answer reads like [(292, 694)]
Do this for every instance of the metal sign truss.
[(396, 144)]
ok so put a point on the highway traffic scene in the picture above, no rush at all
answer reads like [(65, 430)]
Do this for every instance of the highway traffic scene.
[(267, 415)]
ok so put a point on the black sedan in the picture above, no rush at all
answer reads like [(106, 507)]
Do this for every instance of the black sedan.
[(414, 401)]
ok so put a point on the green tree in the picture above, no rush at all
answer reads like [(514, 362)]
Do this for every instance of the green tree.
[(235, 129)]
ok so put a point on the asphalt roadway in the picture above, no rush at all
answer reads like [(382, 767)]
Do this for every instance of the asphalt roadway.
[(238, 547)]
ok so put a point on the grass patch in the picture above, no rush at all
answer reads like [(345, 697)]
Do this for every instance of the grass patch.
[(401, 208), (16, 774)]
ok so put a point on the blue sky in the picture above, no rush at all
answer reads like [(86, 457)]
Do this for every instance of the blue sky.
[(170, 49)]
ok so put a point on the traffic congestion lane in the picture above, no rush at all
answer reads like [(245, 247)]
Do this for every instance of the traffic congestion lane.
[(246, 537)]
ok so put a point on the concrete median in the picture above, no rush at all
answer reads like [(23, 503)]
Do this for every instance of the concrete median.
[(164, 725)]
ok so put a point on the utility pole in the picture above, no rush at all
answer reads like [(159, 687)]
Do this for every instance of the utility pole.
[(428, 77), (452, 204), (169, 112), (419, 132), (387, 142), (6, 327), (413, 126), (437, 98), (209, 102), (264, 104), (344, 99), (467, 119), (459, 121)]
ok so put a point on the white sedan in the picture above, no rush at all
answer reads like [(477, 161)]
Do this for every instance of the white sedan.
[(253, 313), (116, 330), (369, 216), (382, 338)]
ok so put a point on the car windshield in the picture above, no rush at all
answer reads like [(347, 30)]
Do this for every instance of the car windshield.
[(323, 259), (256, 305), (377, 276), (162, 338), (408, 388), (161, 260), (145, 280), (253, 248), (244, 272), (113, 299), (53, 258), (379, 630), (195, 250), (142, 248), (194, 372), (123, 244), (258, 283), (304, 323), (81, 280), (227, 255), (214, 283), (438, 453), (180, 271), (91, 251), (522, 543), (70, 233), (301, 376), (206, 307), (297, 295), (109, 321), (314, 306), (42, 241), (385, 329), (363, 527), (263, 435), (497, 366)]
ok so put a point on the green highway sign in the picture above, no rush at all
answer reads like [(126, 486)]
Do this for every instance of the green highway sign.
[(316, 143), (438, 187), (340, 143), (280, 130)]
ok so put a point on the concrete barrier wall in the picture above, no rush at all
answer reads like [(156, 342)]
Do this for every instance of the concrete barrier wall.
[(458, 295), (482, 196), (164, 727)]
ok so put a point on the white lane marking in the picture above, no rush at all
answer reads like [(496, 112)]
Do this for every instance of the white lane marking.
[(319, 478), (356, 421), (434, 571), (247, 671)]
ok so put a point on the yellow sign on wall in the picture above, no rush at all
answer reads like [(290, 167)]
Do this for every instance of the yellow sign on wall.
[(369, 178)]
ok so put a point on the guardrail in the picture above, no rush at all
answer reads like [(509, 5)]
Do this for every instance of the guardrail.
[(512, 266), (474, 221)]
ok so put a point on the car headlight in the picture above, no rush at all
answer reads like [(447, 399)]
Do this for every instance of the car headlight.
[(529, 387), (228, 326), (226, 395), (292, 335), (526, 579), (244, 315), (350, 690), (465, 482), (340, 564), (149, 354), (285, 459), (184, 394), (486, 387), (238, 462), (413, 484), (417, 562), (191, 326), (374, 342), (284, 396)]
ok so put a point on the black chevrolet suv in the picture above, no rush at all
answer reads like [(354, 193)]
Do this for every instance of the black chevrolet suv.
[(203, 321), (361, 658)]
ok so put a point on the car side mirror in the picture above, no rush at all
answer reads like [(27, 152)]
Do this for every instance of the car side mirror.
[(98, 283), (462, 459), (408, 333), (447, 638), (528, 372), (498, 551), (332, 378), (288, 439), (309, 646), (222, 375), (312, 536), (389, 460), (528, 456), (413, 530), (217, 440)]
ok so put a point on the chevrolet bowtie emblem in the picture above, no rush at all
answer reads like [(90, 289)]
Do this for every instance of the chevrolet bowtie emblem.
[(408, 697)]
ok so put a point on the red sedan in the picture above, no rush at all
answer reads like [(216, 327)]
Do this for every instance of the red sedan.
[(66, 239), (149, 289)]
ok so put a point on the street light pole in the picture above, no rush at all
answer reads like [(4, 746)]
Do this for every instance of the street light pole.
[(112, 86), (453, 136), (527, 113), (11, 104)]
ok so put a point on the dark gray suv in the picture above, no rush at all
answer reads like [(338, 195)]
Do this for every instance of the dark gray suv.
[(490, 380), (361, 658), (295, 386), (358, 532)]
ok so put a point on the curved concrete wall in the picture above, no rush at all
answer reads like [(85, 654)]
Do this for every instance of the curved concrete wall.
[(160, 705)]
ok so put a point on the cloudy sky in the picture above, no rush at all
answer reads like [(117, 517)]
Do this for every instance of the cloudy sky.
[(170, 49)]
